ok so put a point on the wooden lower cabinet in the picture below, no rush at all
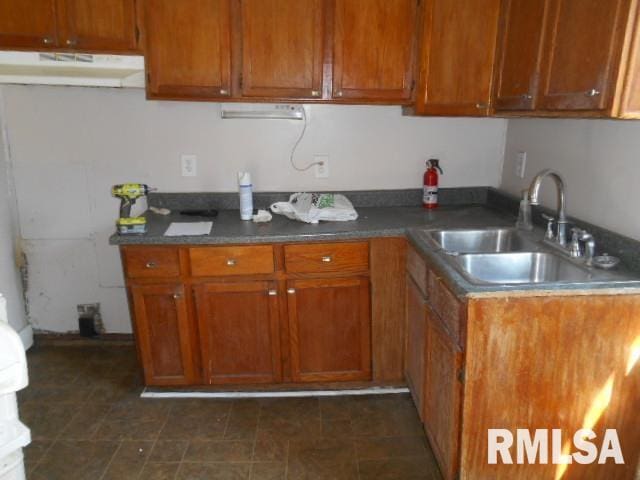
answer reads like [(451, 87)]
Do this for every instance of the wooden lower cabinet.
[(330, 329), (239, 332), (416, 344), (164, 334), (259, 314), (442, 408)]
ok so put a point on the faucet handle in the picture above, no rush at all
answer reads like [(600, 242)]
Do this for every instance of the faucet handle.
[(574, 248), (550, 221)]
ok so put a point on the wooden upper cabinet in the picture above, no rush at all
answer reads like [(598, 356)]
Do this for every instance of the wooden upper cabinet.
[(519, 53), (456, 60), (582, 53), (104, 25), (282, 48), (374, 44), (27, 24), (188, 48)]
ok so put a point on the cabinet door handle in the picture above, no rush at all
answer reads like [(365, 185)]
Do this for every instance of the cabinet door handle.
[(47, 40), (224, 91), (291, 291), (71, 42), (151, 265), (315, 93), (592, 93), (327, 259), (272, 293), (231, 262), (481, 106), (177, 295), (338, 93), (526, 96)]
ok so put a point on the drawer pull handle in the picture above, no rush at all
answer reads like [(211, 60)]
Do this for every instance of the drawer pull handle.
[(291, 291), (231, 262), (177, 295), (327, 259), (592, 93), (151, 265), (315, 93), (273, 293)]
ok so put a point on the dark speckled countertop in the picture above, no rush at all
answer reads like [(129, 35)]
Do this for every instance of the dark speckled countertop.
[(398, 220)]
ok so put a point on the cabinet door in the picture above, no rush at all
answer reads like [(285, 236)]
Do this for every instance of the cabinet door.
[(374, 42), (330, 329), (458, 50), (103, 25), (239, 332), (188, 51), (443, 396), (282, 48), (27, 24), (416, 344), (164, 334), (582, 48), (519, 53)]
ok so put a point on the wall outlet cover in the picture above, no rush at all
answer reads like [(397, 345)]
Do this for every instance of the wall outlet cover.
[(321, 166), (189, 165), (521, 164)]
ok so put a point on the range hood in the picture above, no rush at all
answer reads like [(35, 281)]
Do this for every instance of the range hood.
[(81, 69)]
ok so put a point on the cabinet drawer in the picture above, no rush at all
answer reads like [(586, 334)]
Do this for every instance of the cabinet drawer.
[(327, 257), (446, 305), (417, 270), (151, 262), (216, 261)]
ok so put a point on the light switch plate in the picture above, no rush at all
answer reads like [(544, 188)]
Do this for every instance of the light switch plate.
[(189, 164), (521, 164)]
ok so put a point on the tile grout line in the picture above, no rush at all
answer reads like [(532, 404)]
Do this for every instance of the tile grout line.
[(106, 468), (155, 441)]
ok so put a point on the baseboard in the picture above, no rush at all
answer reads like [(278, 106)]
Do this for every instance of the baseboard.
[(73, 339), (266, 394), (26, 335)]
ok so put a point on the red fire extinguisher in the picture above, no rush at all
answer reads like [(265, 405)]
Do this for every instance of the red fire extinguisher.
[(430, 184)]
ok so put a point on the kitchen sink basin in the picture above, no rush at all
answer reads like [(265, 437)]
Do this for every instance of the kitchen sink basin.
[(482, 240), (520, 268)]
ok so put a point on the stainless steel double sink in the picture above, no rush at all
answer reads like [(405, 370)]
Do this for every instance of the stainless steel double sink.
[(504, 256)]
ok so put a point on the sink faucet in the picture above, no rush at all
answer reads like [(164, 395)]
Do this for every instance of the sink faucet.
[(534, 189)]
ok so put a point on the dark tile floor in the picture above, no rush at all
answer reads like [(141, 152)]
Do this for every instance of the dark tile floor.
[(88, 422)]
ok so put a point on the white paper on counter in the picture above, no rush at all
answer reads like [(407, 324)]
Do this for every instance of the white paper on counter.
[(182, 229)]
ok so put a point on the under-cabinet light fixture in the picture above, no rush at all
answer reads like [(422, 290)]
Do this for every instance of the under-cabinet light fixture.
[(279, 112)]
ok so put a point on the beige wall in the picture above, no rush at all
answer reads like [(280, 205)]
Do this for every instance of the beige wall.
[(10, 281), (599, 160), (69, 145)]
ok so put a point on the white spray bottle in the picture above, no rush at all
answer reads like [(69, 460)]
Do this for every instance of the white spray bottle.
[(246, 195)]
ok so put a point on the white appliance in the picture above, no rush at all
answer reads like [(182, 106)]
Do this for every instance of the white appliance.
[(80, 69), (14, 435)]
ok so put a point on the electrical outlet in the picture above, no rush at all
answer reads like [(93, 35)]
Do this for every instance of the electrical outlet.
[(189, 165), (321, 166), (521, 164)]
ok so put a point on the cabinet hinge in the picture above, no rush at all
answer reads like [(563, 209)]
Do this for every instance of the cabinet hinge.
[(461, 375)]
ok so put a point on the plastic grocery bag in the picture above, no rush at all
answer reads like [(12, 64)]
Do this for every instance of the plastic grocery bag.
[(313, 207)]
